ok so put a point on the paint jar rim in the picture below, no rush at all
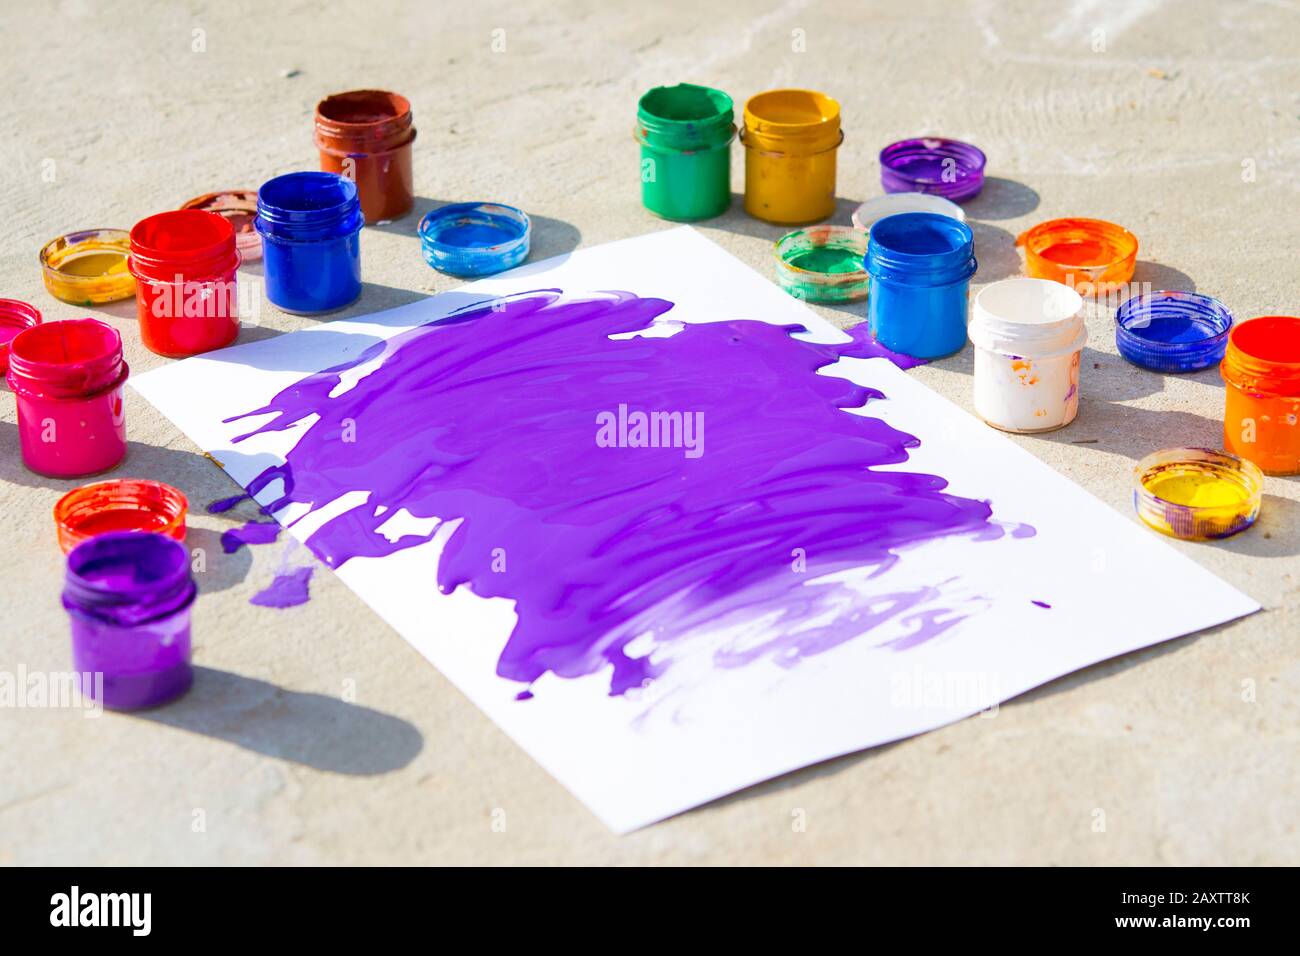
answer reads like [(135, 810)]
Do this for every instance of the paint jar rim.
[(968, 166), (1056, 327), (1253, 359), (87, 290), (474, 260), (159, 585), (363, 121), (815, 286), (308, 207), (142, 496), (1073, 231), (239, 207), (17, 315), (893, 204), (190, 243), (792, 121), (686, 117), (1205, 314), (1198, 522), (921, 248), (67, 359)]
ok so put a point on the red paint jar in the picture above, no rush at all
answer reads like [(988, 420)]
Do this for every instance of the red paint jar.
[(67, 380), (184, 264), (366, 135), (14, 317)]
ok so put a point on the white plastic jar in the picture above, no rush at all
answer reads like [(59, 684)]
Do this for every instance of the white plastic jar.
[(1028, 334)]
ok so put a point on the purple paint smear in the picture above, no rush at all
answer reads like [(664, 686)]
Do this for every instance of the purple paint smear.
[(287, 590), (490, 415), (1041, 604), (251, 532)]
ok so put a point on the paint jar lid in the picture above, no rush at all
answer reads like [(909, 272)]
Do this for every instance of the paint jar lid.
[(1092, 255), (88, 267), (943, 167), (474, 238), (128, 578), (1197, 493), (122, 504), (239, 208), (823, 263), (922, 249), (14, 317), (1172, 331), (891, 204), (1028, 318)]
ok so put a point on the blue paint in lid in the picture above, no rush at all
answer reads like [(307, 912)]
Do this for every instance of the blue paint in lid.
[(1172, 331), (475, 238)]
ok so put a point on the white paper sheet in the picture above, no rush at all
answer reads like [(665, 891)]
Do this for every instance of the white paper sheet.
[(706, 732)]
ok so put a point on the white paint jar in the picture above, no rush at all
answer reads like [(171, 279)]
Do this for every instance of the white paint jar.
[(1028, 334)]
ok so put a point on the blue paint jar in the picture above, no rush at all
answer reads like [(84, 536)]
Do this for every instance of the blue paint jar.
[(920, 265), (310, 225), (1172, 331)]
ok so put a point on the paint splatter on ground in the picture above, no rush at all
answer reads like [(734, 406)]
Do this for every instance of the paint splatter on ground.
[(490, 416), (251, 532), (287, 590)]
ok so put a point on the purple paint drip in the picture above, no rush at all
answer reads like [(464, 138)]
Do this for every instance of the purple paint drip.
[(1041, 604), (287, 590), (222, 505), (491, 415), (251, 532)]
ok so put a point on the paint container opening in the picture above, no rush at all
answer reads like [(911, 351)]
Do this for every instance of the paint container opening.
[(920, 234), (182, 230), (1030, 301), (363, 107), (945, 167), (1272, 338), (70, 342), (792, 108), (685, 102)]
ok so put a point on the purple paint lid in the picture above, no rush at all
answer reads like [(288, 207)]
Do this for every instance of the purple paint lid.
[(128, 578), (935, 165)]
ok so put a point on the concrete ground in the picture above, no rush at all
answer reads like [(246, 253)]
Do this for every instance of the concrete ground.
[(316, 735)]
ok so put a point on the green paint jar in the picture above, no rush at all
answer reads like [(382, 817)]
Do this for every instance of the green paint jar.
[(685, 132)]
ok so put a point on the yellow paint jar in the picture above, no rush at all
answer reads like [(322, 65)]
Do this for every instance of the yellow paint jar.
[(88, 267), (790, 139), (1197, 493)]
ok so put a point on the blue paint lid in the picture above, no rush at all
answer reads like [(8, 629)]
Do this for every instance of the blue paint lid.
[(474, 238), (1172, 331)]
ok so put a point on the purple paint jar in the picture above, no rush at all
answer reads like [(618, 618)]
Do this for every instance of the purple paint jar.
[(129, 595), (941, 167)]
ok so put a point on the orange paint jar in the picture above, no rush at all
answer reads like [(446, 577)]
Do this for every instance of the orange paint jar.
[(1092, 256), (1261, 375)]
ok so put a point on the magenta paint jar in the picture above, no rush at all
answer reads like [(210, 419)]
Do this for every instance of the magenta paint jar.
[(129, 595), (67, 381)]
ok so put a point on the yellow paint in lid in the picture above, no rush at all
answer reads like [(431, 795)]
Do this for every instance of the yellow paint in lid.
[(1197, 493)]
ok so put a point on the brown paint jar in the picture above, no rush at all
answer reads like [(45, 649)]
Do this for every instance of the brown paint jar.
[(366, 135)]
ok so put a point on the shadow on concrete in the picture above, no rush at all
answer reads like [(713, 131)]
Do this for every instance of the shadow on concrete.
[(1002, 199), (1134, 432), (313, 730), (1162, 277)]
